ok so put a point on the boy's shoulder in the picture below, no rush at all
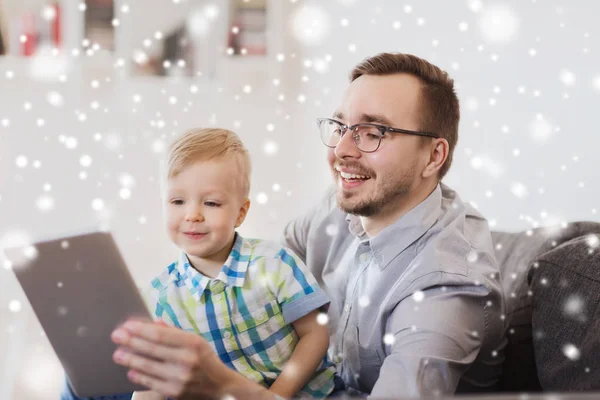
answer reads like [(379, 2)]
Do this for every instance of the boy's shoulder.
[(265, 248), (165, 277)]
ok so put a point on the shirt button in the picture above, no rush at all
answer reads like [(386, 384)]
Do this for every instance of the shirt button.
[(227, 335), (218, 297), (363, 257), (347, 308)]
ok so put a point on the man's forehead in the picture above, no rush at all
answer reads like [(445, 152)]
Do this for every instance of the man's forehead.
[(379, 99)]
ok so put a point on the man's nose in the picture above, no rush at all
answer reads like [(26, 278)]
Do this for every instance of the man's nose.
[(346, 147)]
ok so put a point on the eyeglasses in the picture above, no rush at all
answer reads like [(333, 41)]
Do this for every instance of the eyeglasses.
[(366, 137)]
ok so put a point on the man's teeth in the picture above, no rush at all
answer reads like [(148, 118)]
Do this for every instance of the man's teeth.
[(346, 175)]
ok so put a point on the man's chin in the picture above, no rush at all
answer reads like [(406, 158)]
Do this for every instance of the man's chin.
[(353, 205)]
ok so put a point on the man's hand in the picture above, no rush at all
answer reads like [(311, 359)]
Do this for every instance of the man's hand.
[(177, 364)]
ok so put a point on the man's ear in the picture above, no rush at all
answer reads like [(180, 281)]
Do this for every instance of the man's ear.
[(242, 213), (438, 154)]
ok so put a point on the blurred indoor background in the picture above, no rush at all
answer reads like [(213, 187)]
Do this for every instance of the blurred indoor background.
[(92, 92)]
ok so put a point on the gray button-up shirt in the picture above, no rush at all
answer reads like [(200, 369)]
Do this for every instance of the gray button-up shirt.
[(416, 310)]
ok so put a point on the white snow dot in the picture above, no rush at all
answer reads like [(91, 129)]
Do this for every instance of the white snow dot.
[(351, 47), (70, 143), (364, 301), (247, 89), (388, 339), (596, 83), (276, 187), (322, 319), (21, 161), (30, 252), (592, 241), (85, 160), (475, 5), (55, 99), (125, 193), (472, 104), (498, 23), (331, 230), (14, 306), (518, 189), (270, 147), (262, 198), (567, 77), (571, 352), (45, 203), (64, 244), (97, 204), (573, 305), (472, 256), (463, 26), (396, 25), (418, 296), (158, 146)]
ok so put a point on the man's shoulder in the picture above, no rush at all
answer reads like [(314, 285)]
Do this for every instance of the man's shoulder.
[(460, 241)]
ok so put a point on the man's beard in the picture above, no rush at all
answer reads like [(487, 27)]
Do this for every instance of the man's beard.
[(383, 197)]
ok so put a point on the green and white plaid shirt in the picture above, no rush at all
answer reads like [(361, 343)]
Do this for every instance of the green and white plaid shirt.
[(246, 312)]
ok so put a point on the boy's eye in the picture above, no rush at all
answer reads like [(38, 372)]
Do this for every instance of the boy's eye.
[(211, 204), (177, 202)]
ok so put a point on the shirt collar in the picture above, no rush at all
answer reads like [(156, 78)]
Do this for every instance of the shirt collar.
[(398, 236), (233, 272)]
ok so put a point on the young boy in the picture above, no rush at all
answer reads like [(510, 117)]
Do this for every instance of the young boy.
[(253, 300)]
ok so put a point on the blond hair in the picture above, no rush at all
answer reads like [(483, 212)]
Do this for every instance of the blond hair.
[(440, 111), (203, 144)]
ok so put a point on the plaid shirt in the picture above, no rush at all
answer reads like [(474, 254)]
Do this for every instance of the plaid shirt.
[(246, 312)]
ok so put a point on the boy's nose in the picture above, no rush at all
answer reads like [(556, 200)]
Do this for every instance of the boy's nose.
[(194, 214)]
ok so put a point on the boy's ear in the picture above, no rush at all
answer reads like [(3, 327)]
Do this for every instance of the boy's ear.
[(243, 212)]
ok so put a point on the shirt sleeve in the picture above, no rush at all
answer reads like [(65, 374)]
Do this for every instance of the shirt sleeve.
[(434, 343), (295, 234), (298, 293)]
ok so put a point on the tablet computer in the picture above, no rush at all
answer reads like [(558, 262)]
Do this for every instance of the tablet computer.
[(80, 290)]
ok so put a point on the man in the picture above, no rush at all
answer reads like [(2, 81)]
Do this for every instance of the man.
[(416, 306)]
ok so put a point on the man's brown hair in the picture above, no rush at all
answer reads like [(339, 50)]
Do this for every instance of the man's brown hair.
[(440, 112)]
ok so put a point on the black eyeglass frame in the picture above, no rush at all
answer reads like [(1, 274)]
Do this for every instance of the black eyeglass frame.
[(382, 129)]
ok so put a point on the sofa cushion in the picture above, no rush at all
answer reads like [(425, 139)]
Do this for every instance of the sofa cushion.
[(566, 315), (516, 253)]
